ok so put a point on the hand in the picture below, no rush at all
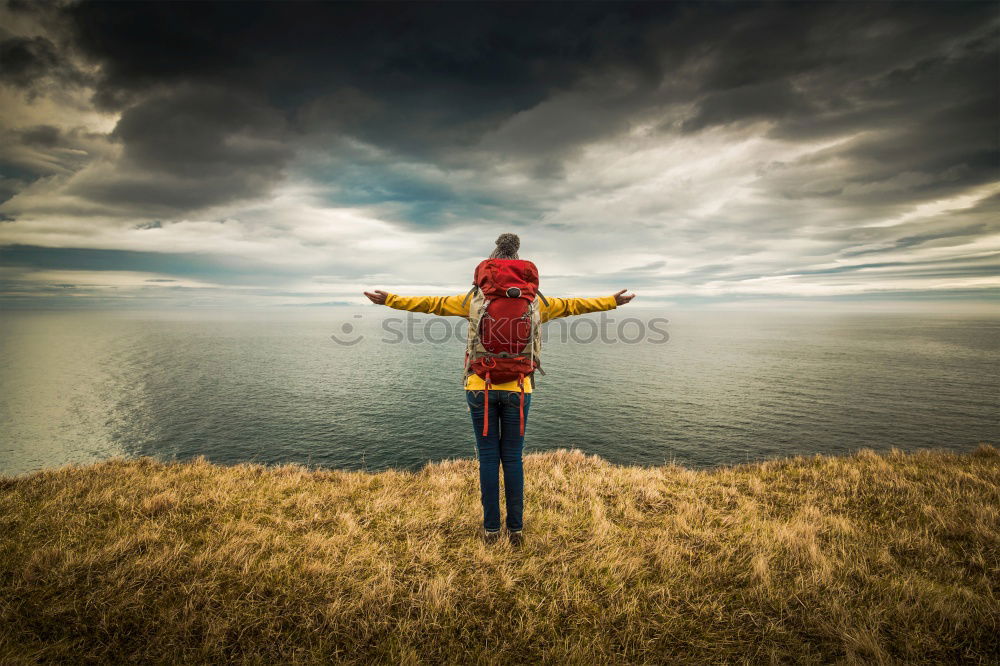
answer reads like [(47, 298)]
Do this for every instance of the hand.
[(378, 298), (621, 298)]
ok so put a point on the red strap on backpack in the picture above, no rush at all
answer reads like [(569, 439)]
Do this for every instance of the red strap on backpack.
[(486, 405), (520, 383)]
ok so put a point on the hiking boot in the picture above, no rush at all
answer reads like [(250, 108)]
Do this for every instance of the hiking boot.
[(516, 538), (491, 537)]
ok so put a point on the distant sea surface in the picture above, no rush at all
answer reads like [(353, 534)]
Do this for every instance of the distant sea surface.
[(274, 387)]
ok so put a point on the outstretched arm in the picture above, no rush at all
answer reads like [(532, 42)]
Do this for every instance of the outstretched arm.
[(446, 306), (568, 307)]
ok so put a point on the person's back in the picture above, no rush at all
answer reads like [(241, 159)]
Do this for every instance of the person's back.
[(504, 340), (499, 375)]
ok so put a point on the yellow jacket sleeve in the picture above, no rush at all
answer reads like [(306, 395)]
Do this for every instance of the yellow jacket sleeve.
[(446, 306), (451, 306), (568, 307)]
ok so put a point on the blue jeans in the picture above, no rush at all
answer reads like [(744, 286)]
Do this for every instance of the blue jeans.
[(503, 445)]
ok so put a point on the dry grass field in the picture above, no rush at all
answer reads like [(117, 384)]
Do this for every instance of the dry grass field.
[(868, 558)]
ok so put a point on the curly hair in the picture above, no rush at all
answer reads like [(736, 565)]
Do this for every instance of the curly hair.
[(507, 246)]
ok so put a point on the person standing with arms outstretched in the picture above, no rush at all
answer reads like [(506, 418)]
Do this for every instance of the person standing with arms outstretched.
[(501, 359)]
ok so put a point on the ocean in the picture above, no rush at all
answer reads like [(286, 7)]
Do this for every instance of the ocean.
[(372, 388)]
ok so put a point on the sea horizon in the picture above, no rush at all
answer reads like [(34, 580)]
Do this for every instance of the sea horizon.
[(724, 387)]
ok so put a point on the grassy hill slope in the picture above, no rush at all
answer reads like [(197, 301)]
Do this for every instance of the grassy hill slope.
[(870, 557)]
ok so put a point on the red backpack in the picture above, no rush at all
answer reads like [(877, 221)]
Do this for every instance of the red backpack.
[(503, 343)]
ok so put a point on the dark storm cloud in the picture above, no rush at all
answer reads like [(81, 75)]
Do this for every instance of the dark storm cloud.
[(32, 152), (495, 57), (198, 132), (192, 147), (45, 136), (771, 100), (424, 80), (917, 84), (50, 136), (30, 62), (431, 80), (728, 144)]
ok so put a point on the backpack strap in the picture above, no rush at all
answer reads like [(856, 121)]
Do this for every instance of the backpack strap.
[(520, 383), (475, 319), (486, 398), (542, 296), (465, 301), (486, 405)]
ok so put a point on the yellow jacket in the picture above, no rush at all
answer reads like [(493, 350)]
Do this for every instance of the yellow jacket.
[(451, 306)]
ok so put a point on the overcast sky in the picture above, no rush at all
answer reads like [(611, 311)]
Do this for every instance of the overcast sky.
[(807, 155)]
